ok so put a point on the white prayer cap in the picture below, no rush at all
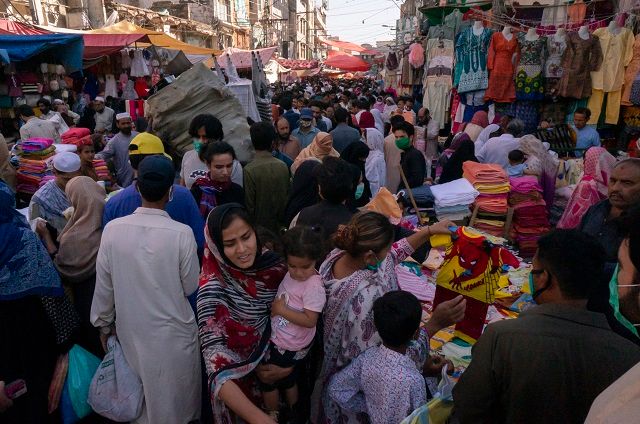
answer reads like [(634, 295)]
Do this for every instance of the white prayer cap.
[(99, 99), (123, 115), (58, 102), (66, 162)]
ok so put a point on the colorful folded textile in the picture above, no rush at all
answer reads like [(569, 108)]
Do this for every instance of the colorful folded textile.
[(35, 144)]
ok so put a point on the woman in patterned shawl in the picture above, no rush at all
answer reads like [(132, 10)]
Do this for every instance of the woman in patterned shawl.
[(360, 270), (238, 283), (38, 321)]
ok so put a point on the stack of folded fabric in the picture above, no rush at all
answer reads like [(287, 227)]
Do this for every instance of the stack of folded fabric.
[(492, 183), (33, 164), (530, 217), (100, 166), (452, 199), (75, 136)]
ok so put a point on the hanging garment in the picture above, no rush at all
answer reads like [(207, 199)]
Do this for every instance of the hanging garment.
[(617, 53), (634, 96), (631, 72), (392, 61), (139, 66), (528, 112), (126, 59), (129, 93), (471, 72), (580, 58), (123, 80), (416, 55), (407, 71), (529, 78), (110, 88), (552, 67), (436, 97), (500, 65)]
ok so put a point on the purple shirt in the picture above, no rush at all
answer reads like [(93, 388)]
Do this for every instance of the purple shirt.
[(382, 383)]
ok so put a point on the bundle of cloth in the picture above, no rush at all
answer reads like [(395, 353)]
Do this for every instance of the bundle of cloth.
[(102, 170), (530, 216), (76, 136), (33, 164), (452, 199), (492, 183)]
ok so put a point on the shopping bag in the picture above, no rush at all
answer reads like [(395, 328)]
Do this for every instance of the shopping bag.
[(116, 390), (82, 367), (66, 408)]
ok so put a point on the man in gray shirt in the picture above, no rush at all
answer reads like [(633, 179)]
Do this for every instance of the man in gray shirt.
[(104, 115), (117, 150), (34, 127), (343, 134)]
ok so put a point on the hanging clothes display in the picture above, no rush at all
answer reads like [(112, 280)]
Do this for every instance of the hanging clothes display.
[(580, 58), (617, 52), (529, 78), (139, 66), (471, 72), (110, 88), (438, 82), (500, 64), (556, 45), (631, 73), (125, 59)]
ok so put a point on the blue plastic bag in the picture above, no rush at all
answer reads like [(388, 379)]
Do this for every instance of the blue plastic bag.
[(66, 409), (82, 367)]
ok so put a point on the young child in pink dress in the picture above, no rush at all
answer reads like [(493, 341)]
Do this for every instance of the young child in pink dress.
[(294, 312)]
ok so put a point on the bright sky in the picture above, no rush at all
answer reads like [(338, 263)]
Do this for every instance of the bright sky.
[(344, 19)]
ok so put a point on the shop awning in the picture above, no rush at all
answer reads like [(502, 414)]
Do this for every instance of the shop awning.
[(242, 58), (346, 62), (343, 45), (16, 28), (298, 63), (67, 48)]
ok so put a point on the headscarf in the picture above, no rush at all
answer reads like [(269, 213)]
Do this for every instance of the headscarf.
[(210, 190), (353, 154), (366, 120), (80, 238), (378, 105), (315, 150), (480, 118), (234, 309), (541, 163), (25, 266), (592, 188), (304, 189), (452, 170), (379, 122), (457, 141), (375, 164), (388, 109)]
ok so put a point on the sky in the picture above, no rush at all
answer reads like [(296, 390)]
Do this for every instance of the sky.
[(344, 19)]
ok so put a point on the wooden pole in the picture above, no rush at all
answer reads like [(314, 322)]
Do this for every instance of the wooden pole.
[(413, 200)]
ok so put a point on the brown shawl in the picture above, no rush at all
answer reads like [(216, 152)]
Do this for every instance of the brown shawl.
[(80, 238)]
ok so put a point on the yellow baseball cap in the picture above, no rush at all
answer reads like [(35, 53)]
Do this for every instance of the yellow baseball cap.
[(147, 144)]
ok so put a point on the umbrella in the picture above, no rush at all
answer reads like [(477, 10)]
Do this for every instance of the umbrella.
[(346, 62)]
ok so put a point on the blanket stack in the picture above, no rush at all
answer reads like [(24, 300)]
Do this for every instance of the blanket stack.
[(530, 216), (492, 183), (34, 167), (452, 199)]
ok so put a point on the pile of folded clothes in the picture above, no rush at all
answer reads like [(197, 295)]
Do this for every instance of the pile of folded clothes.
[(492, 183), (33, 164), (530, 216), (452, 199), (76, 136), (102, 170)]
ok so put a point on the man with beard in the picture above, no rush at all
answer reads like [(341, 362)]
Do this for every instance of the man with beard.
[(287, 144), (307, 131), (117, 150), (51, 115), (104, 115)]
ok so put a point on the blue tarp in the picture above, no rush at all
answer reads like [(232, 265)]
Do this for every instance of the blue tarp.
[(67, 48)]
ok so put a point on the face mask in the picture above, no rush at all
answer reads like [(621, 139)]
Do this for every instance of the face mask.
[(305, 123), (532, 288), (197, 145), (359, 190), (403, 143), (375, 266), (614, 301)]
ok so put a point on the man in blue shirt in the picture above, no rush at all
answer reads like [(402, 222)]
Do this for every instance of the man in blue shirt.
[(586, 136), (343, 134), (293, 117), (181, 207), (306, 132)]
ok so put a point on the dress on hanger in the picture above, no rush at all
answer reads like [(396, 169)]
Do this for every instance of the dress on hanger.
[(139, 66), (500, 65), (580, 58), (129, 93), (437, 83), (529, 78), (471, 72), (126, 60), (123, 80), (553, 64), (110, 88), (631, 73)]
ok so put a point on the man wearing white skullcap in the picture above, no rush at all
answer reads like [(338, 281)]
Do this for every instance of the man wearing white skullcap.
[(117, 150), (104, 115), (50, 201)]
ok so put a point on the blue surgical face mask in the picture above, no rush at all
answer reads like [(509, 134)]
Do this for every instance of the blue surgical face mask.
[(532, 288), (614, 301), (197, 145), (359, 190)]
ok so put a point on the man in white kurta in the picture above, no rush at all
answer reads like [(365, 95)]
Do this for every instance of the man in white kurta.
[(147, 266)]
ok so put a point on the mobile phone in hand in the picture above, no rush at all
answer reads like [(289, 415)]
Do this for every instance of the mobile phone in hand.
[(15, 389)]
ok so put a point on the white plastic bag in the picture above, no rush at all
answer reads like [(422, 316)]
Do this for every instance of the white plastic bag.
[(116, 390)]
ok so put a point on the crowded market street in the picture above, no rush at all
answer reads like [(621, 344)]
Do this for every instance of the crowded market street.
[(356, 212)]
